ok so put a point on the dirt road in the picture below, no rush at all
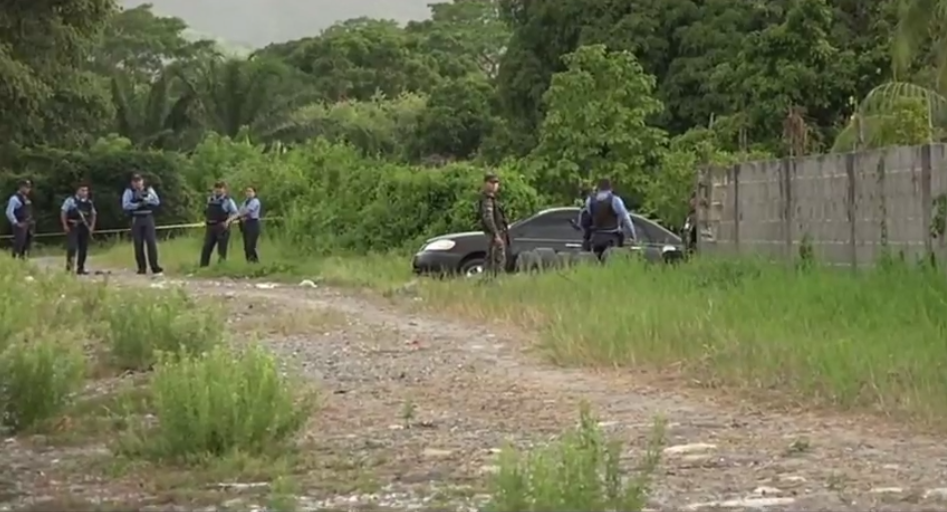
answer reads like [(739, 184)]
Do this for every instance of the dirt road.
[(420, 405)]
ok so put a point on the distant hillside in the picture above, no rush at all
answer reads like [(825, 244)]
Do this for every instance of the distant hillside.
[(256, 23)]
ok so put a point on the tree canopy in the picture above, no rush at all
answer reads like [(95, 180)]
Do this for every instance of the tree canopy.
[(642, 91)]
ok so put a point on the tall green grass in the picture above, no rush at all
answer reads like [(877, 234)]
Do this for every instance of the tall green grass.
[(869, 339)]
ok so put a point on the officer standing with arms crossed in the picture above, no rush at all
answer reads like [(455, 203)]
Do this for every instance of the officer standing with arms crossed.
[(603, 216), (220, 212), (78, 217), (495, 227), (250, 224), (20, 214), (140, 202)]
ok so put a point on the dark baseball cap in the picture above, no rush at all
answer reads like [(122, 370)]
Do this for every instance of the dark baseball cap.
[(491, 177)]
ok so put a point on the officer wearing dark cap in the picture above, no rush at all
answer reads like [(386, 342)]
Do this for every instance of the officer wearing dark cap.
[(78, 217), (494, 224), (20, 214), (220, 212), (140, 202)]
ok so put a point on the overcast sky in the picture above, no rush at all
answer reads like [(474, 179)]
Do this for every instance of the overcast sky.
[(260, 22)]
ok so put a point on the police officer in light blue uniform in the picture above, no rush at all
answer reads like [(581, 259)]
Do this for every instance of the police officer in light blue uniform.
[(604, 216), (20, 214), (219, 213), (140, 202), (78, 217), (250, 213)]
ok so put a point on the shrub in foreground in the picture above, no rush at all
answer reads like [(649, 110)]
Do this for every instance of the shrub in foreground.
[(873, 338), (580, 471), (39, 374), (142, 323), (220, 403), (42, 332)]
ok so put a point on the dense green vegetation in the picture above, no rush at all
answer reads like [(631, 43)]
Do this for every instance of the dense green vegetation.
[(402, 119)]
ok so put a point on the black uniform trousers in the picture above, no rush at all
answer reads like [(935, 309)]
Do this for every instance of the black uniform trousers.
[(145, 238), (250, 228), (22, 240), (600, 241), (217, 234), (77, 246)]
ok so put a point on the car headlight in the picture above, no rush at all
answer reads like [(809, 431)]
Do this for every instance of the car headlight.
[(440, 245)]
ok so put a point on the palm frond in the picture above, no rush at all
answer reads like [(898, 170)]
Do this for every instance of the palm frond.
[(883, 98)]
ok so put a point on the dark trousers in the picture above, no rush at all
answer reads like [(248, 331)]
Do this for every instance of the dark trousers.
[(22, 240), (144, 238), (215, 235), (251, 235), (601, 241), (77, 247)]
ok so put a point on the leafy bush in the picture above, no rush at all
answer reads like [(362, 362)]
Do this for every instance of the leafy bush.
[(578, 472), (107, 169), (142, 323), (39, 373), (41, 359), (332, 198), (219, 403)]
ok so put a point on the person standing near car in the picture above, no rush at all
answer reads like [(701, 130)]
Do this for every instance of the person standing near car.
[(608, 215), (250, 224), (494, 224), (78, 217), (140, 202)]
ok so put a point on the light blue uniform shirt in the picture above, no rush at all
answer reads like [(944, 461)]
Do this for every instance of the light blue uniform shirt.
[(12, 205), (623, 216), (151, 198), (251, 209)]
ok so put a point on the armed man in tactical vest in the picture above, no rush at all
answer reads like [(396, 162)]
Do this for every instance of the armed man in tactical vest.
[(20, 214), (78, 217), (604, 216), (140, 202), (220, 212), (495, 227)]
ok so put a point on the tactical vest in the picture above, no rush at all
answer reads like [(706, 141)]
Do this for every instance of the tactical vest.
[(81, 208), (499, 216), (144, 209), (215, 213), (604, 216), (23, 213)]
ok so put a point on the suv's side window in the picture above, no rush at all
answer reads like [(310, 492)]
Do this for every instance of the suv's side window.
[(552, 226), (639, 230), (654, 233)]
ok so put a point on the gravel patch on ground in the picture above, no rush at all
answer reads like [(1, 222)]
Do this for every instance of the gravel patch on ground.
[(416, 407)]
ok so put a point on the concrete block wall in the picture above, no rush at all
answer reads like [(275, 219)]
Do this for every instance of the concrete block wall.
[(847, 206)]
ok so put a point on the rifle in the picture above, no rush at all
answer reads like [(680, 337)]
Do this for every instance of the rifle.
[(85, 223)]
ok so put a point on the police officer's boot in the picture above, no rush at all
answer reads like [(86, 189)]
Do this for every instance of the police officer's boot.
[(70, 264)]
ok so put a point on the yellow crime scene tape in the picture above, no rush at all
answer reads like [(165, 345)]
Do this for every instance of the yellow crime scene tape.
[(128, 229)]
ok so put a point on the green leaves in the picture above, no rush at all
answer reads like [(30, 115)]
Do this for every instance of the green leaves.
[(596, 123)]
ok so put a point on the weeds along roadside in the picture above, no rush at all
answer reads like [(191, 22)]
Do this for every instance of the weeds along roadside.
[(868, 340), (155, 371)]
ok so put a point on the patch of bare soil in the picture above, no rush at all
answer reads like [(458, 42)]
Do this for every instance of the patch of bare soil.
[(415, 408)]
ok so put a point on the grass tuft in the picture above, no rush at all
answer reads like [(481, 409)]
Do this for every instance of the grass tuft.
[(580, 471), (219, 404)]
